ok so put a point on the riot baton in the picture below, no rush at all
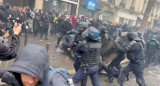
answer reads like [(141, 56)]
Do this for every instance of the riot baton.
[(110, 37), (26, 35)]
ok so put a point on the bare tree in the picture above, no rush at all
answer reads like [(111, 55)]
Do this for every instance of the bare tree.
[(146, 15)]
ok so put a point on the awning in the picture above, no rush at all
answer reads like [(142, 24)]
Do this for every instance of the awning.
[(69, 1)]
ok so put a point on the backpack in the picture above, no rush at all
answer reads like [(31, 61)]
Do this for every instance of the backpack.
[(59, 77)]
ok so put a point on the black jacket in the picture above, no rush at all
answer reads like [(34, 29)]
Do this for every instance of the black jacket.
[(135, 52), (66, 26), (90, 52), (7, 53), (152, 46)]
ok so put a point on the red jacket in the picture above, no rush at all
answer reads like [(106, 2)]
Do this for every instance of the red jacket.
[(74, 21)]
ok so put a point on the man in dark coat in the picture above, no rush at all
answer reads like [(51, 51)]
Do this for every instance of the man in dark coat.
[(65, 27), (7, 53), (45, 25), (36, 25)]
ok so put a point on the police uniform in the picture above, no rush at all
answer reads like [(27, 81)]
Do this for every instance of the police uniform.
[(90, 52), (135, 53)]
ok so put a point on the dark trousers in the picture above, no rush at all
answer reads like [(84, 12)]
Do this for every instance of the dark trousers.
[(137, 69), (45, 32), (61, 36), (115, 63), (77, 66), (53, 30), (35, 28), (149, 58), (92, 72)]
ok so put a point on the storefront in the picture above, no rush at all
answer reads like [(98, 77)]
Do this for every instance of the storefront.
[(90, 8), (107, 16), (64, 6)]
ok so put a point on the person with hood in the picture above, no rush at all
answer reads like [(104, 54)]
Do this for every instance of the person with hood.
[(74, 21), (26, 71)]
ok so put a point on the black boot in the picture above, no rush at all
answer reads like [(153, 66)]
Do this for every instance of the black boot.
[(141, 82), (84, 82)]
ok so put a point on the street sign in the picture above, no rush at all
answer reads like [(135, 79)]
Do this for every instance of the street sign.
[(91, 4)]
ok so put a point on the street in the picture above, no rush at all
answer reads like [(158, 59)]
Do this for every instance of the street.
[(57, 60)]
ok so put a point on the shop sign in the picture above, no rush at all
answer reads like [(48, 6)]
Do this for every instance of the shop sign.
[(91, 4)]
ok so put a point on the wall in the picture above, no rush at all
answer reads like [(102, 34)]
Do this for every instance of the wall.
[(39, 4), (126, 15)]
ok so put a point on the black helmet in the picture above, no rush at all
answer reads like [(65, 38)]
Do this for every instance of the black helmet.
[(133, 36), (93, 33)]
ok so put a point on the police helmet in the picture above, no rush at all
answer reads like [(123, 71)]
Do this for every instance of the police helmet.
[(83, 26), (154, 36), (132, 36), (93, 33)]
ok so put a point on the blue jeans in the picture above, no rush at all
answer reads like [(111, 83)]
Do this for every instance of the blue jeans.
[(92, 72)]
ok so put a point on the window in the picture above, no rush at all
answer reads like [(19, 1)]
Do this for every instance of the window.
[(133, 2), (123, 1)]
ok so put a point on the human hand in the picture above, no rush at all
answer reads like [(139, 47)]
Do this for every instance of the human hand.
[(6, 34), (17, 28)]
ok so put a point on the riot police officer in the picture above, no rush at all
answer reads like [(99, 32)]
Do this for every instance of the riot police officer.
[(90, 51), (78, 38), (152, 48), (135, 53)]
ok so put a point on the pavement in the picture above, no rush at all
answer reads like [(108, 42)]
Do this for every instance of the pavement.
[(58, 60)]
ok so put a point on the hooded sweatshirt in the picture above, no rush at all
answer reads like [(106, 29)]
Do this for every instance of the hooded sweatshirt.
[(33, 61), (74, 21)]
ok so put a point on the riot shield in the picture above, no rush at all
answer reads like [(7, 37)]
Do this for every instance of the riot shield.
[(109, 51)]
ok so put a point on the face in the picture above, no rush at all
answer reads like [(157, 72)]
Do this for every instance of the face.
[(29, 81)]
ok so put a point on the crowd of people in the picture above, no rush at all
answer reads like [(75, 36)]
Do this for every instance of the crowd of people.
[(87, 47)]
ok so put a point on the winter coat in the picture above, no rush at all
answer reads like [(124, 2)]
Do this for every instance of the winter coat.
[(7, 53)]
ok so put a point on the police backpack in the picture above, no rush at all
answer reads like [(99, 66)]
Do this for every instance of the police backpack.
[(59, 77)]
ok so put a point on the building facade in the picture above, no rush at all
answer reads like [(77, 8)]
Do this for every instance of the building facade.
[(64, 6), (131, 12), (122, 11), (93, 11)]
